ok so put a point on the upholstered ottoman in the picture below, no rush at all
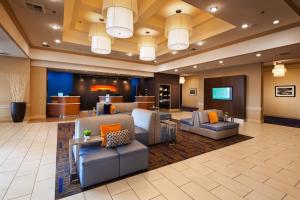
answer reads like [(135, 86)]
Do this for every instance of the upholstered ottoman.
[(133, 157), (97, 165)]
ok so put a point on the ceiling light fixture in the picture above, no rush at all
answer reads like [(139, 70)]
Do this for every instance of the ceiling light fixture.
[(129, 54), (147, 47), (258, 55), (55, 26), (200, 43), (279, 70), (276, 21), (101, 42), (195, 66), (57, 41), (178, 30), (174, 52), (244, 26), (213, 9), (120, 17), (221, 62), (176, 70), (181, 80)]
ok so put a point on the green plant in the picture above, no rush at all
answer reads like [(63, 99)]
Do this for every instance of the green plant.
[(87, 132)]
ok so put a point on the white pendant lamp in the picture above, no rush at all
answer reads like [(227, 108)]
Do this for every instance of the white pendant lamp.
[(178, 30), (181, 80), (279, 70), (120, 16), (147, 47), (101, 42)]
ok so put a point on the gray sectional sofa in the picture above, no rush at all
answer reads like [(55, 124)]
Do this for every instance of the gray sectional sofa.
[(97, 164), (199, 124), (124, 107)]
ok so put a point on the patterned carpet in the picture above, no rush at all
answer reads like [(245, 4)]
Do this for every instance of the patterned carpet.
[(187, 146)]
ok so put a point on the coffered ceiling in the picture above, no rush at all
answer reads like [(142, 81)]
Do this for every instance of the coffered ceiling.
[(213, 29)]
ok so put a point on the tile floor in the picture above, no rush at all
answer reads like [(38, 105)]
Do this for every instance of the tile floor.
[(264, 168)]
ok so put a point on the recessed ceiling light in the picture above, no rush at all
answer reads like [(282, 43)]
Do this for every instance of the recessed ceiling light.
[(55, 27), (276, 21), (174, 52), (129, 54), (213, 9), (221, 62), (45, 44), (258, 55), (155, 61), (195, 66), (176, 70), (57, 41), (200, 43), (245, 26)]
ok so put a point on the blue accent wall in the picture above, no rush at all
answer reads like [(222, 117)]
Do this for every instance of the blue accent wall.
[(59, 82), (134, 87)]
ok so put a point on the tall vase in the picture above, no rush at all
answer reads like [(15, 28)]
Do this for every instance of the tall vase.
[(18, 111)]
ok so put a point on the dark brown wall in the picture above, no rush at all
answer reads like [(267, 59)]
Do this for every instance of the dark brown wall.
[(168, 79), (146, 86), (237, 106)]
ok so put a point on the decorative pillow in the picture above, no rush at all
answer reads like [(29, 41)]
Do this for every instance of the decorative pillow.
[(104, 129), (106, 108), (118, 138), (213, 117), (113, 109)]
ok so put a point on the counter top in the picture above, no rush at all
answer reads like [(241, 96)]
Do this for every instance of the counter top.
[(63, 96), (62, 103)]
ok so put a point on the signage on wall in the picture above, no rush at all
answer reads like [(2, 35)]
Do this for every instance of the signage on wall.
[(111, 88)]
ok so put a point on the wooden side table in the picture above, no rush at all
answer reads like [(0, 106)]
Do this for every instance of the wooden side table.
[(79, 142)]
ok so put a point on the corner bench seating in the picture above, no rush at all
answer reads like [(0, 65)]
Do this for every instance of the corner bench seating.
[(199, 124), (97, 164)]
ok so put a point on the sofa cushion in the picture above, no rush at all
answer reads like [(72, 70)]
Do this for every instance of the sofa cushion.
[(203, 117), (220, 126), (118, 138), (106, 108), (213, 117), (187, 121), (141, 135), (108, 128)]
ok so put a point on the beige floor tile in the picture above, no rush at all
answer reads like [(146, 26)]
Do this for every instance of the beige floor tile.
[(21, 186), (10, 165), (197, 192), (142, 187), (293, 191), (29, 167), (78, 196), (26, 197), (170, 190), (2, 193), (230, 184), (256, 196), (176, 177), (179, 166), (199, 167), (159, 198), (200, 179), (126, 196), (261, 188), (288, 197), (152, 175), (118, 187), (46, 172), (97, 194), (6, 179), (44, 189), (225, 194), (221, 169)]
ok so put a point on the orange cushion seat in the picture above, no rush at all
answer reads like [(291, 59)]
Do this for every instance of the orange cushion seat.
[(213, 117), (108, 128)]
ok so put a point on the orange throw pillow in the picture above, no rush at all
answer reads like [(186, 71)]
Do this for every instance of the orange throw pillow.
[(213, 117), (104, 129), (113, 109)]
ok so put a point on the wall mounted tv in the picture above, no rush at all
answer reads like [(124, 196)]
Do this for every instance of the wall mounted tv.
[(222, 93)]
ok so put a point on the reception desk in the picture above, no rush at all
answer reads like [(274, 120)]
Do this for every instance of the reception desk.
[(145, 102), (61, 106), (112, 99)]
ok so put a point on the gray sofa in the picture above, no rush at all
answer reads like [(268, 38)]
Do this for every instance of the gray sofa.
[(125, 107), (199, 124), (97, 164)]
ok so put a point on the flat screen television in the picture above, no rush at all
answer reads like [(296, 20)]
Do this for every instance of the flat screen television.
[(222, 93)]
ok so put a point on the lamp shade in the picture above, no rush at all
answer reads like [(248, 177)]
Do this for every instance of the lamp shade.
[(147, 47), (279, 70), (101, 42), (178, 30), (120, 16), (181, 80)]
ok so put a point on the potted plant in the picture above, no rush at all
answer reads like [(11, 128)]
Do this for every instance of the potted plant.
[(87, 134), (18, 84)]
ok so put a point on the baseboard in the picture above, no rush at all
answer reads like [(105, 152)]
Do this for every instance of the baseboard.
[(38, 117), (283, 121)]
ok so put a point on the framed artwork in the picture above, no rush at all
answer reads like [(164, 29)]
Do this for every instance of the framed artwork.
[(193, 91), (285, 91)]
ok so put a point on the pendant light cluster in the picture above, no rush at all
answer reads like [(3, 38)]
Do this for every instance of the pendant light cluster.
[(279, 70), (120, 16)]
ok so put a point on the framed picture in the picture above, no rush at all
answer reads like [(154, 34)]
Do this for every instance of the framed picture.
[(285, 91), (193, 91)]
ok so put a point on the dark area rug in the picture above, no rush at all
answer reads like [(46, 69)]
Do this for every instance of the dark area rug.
[(187, 145)]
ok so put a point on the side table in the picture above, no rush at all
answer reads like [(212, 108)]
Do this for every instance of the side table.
[(171, 131)]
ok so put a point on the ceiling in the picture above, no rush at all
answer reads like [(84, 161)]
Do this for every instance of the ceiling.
[(214, 30), (8, 46)]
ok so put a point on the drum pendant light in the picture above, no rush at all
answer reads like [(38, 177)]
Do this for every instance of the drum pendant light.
[(101, 42), (120, 16), (147, 47)]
